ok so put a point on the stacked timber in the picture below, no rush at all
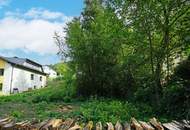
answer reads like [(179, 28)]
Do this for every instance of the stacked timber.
[(70, 124)]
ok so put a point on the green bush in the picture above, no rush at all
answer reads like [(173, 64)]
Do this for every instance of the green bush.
[(16, 114), (176, 96), (112, 110)]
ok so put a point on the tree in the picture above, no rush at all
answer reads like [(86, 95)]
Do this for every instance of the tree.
[(157, 22), (118, 46)]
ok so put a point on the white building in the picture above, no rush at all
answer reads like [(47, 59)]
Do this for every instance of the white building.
[(52, 74), (19, 74)]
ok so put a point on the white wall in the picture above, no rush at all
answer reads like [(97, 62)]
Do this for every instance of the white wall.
[(50, 72), (7, 78), (21, 79)]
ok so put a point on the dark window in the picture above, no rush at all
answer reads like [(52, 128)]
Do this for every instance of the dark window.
[(32, 76), (40, 78), (1, 86), (15, 90), (1, 72), (35, 87)]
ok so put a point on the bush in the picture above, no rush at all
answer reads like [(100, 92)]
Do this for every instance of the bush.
[(112, 110), (176, 97)]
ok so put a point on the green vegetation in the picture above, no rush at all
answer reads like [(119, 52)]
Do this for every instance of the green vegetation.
[(123, 53), (128, 50), (50, 102)]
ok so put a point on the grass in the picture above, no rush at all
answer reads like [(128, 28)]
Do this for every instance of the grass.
[(50, 102)]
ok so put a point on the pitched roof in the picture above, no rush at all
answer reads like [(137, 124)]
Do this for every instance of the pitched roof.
[(20, 62)]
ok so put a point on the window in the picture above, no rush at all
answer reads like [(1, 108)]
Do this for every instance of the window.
[(15, 90), (32, 77), (1, 72), (34, 86), (1, 86), (40, 78)]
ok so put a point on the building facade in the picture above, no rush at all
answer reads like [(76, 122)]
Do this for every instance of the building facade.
[(18, 75), (52, 74)]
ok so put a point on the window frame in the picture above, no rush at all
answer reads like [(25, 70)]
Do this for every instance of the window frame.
[(31, 76), (40, 78)]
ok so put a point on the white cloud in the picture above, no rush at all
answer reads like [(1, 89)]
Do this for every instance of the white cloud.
[(34, 34), (39, 13), (4, 3)]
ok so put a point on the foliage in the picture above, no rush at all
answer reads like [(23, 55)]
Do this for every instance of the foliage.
[(128, 49), (112, 110), (176, 97), (93, 109), (119, 47)]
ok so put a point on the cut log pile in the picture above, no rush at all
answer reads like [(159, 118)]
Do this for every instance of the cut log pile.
[(70, 124)]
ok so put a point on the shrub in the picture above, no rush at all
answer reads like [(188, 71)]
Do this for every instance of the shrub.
[(112, 110), (176, 97)]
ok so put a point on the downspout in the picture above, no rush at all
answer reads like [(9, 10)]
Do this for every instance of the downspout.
[(11, 79)]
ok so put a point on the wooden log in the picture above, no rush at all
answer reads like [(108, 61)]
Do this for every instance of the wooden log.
[(154, 122), (24, 125), (172, 126), (135, 124), (118, 126), (52, 124), (38, 126), (9, 126), (127, 126), (57, 123), (47, 125), (99, 126), (186, 124), (75, 127), (67, 124), (110, 126), (4, 120), (146, 126), (89, 126)]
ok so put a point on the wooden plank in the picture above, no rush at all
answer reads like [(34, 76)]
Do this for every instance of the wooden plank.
[(89, 126), (171, 126), (118, 126), (156, 124), (57, 124), (67, 124), (52, 124), (110, 126), (38, 125), (46, 126), (178, 124), (186, 124), (99, 126), (4, 120), (9, 126), (135, 124), (146, 126), (2, 124), (127, 126), (75, 127), (24, 125)]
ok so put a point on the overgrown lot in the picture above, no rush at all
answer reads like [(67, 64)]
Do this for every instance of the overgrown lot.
[(51, 102)]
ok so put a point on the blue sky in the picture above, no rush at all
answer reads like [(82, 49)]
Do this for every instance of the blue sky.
[(27, 27)]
